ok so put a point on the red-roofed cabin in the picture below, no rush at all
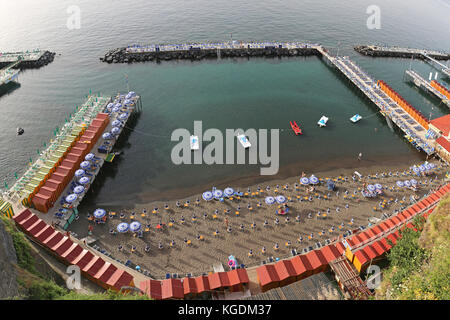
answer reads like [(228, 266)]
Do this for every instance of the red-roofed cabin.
[(37, 228), (219, 281), (120, 278), (63, 246), (330, 252), (267, 277), (302, 267), (238, 279), (21, 216), (71, 254), (83, 259), (190, 288), (318, 261), (442, 124), (360, 260), (152, 288), (172, 289), (340, 247), (379, 248), (286, 272), (202, 284), (363, 237)]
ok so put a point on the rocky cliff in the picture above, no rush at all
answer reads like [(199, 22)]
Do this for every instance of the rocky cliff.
[(8, 263)]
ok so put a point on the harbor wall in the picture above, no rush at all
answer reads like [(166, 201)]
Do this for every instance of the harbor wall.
[(45, 59), (370, 51)]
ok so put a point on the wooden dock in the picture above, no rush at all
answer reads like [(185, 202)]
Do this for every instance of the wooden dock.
[(387, 106), (423, 84)]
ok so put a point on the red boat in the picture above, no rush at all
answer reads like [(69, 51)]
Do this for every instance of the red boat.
[(295, 127)]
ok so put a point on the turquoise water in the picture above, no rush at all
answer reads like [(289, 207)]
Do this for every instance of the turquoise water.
[(229, 93)]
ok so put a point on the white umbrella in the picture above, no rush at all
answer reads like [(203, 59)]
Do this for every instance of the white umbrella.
[(99, 213), (122, 227)]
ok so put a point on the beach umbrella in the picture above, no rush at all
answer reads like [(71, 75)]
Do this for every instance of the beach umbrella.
[(270, 200), (304, 180), (371, 187), (85, 165), (110, 105), (78, 190), (228, 191), (378, 186), (416, 169), (107, 135), (115, 130), (427, 166), (115, 109), (207, 195), (127, 102), (407, 183), (135, 226), (79, 173), (71, 198), (118, 105), (122, 227), (413, 182), (116, 123), (99, 213), (218, 193), (314, 180), (422, 168), (84, 180), (400, 184), (89, 156), (123, 116), (280, 199)]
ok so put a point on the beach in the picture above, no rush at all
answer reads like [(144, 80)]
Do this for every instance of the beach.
[(199, 256)]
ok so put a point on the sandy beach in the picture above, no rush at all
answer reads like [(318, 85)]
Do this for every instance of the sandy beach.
[(339, 206)]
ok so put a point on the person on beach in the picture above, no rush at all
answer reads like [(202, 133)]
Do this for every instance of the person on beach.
[(359, 156), (226, 222)]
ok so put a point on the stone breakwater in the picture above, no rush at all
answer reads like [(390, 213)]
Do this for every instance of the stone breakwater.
[(374, 51), (46, 58), (122, 56)]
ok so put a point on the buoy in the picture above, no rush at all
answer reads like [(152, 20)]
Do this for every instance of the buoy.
[(20, 131)]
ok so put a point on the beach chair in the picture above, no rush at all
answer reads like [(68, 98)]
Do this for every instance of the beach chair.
[(167, 275)]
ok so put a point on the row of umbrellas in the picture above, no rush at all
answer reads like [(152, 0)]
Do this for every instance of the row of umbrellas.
[(217, 194), (80, 174), (374, 187), (311, 180), (135, 226), (279, 199), (406, 183)]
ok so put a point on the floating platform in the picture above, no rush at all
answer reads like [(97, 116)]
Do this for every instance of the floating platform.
[(355, 118), (194, 143)]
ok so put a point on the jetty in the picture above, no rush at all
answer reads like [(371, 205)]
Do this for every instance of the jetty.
[(420, 82), (385, 51), (414, 128), (199, 51), (9, 74), (28, 59)]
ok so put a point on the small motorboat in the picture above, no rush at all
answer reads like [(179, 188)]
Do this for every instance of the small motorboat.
[(194, 143), (20, 131), (295, 127), (244, 141), (355, 118), (323, 121)]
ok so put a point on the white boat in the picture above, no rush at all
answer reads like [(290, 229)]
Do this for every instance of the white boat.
[(194, 143), (355, 118), (323, 121), (244, 141)]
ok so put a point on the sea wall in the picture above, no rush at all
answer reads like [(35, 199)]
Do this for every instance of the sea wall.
[(381, 52), (121, 56), (45, 59)]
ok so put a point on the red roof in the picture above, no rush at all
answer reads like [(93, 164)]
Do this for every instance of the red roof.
[(73, 253), (218, 280), (385, 244), (377, 230), (371, 233), (284, 269), (330, 252), (94, 265), (317, 259), (443, 124), (444, 143), (46, 234), (29, 222), (54, 240), (63, 246), (364, 237), (362, 256), (371, 254), (379, 248), (25, 214), (340, 247), (37, 227), (83, 259), (189, 285), (202, 284), (267, 274), (396, 220), (119, 279), (172, 289), (355, 240), (389, 223), (105, 273), (238, 276), (152, 288)]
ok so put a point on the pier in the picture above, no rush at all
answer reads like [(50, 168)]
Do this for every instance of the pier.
[(9, 74), (384, 51), (423, 84), (198, 51), (27, 59), (414, 129)]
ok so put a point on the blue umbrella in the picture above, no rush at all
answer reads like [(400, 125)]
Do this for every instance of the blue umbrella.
[(428, 166), (128, 102), (415, 169), (84, 180), (115, 130), (400, 184), (280, 199), (135, 226), (122, 227), (99, 213), (371, 187), (314, 180), (78, 190), (107, 135), (207, 195), (378, 186), (116, 123), (304, 180), (123, 116), (109, 106), (115, 109), (79, 173), (130, 94), (413, 182), (407, 183), (218, 193), (270, 200), (228, 191), (118, 105), (422, 168), (85, 164), (71, 198), (89, 156)]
